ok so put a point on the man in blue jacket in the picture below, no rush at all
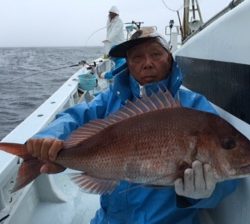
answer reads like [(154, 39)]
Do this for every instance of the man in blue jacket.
[(149, 65)]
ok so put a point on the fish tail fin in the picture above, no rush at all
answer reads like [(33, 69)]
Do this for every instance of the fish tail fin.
[(15, 149), (30, 167)]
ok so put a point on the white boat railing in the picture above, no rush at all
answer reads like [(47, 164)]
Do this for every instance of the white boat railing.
[(13, 206)]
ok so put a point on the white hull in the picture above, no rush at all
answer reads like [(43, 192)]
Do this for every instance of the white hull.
[(225, 43), (50, 198)]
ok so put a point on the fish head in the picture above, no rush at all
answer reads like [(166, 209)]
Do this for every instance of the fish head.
[(232, 150)]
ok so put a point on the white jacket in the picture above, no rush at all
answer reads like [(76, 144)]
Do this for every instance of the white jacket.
[(115, 33)]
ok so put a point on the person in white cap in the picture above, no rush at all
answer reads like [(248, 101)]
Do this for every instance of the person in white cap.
[(115, 33)]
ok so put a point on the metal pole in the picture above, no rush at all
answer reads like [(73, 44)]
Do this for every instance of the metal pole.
[(186, 19), (199, 11)]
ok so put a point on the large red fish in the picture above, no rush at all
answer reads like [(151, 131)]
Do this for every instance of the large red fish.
[(150, 141)]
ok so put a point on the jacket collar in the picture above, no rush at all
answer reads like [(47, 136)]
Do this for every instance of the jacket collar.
[(127, 87)]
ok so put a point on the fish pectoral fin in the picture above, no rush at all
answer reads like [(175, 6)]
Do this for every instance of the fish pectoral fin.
[(92, 184)]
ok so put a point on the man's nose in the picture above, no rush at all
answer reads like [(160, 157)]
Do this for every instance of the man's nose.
[(147, 61)]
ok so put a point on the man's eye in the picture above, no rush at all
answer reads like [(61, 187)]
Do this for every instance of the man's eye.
[(156, 54), (136, 57)]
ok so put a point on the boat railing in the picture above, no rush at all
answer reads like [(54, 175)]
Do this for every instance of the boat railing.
[(67, 95)]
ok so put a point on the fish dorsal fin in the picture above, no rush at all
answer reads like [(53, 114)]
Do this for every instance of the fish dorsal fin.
[(93, 185), (160, 100), (155, 101)]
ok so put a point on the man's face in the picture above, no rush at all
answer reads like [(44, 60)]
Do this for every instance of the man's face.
[(149, 62), (112, 15)]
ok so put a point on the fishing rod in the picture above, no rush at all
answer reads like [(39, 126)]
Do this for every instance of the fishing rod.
[(137, 24), (82, 63), (96, 31)]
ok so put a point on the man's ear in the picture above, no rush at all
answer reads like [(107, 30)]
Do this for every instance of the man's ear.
[(170, 58), (170, 61)]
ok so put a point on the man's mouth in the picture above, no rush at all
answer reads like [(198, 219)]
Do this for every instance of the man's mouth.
[(148, 78), (244, 169)]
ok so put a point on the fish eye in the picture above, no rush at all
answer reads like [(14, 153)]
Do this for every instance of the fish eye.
[(228, 143)]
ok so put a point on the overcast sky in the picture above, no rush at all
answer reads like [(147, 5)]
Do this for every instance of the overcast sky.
[(79, 22)]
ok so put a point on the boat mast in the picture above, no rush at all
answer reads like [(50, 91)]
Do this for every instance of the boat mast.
[(192, 19)]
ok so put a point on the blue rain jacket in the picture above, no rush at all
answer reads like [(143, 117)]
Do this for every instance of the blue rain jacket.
[(142, 204)]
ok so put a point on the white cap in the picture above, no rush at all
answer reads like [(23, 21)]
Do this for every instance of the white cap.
[(140, 36), (114, 9)]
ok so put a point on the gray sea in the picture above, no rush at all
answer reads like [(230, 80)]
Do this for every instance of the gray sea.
[(28, 76)]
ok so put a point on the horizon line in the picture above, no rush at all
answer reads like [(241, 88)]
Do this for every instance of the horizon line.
[(49, 46)]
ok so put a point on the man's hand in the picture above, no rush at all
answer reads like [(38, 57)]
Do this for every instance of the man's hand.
[(198, 182), (46, 149)]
